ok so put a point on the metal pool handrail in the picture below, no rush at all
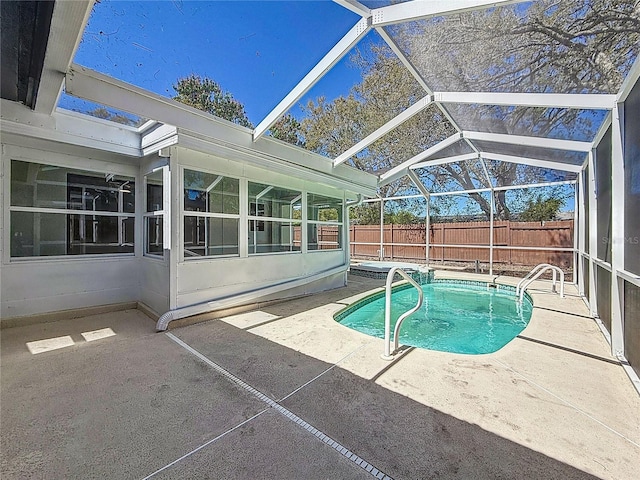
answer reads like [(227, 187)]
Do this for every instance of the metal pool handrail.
[(540, 269), (388, 354)]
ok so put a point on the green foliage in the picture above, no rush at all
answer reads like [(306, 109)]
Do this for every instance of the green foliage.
[(544, 46), (541, 209), (206, 95), (365, 214), (101, 112), (289, 130)]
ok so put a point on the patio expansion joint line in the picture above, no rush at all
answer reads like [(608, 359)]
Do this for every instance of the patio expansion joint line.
[(569, 404), (342, 450), (206, 444), (323, 372)]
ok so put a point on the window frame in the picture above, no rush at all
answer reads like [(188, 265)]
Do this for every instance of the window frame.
[(329, 223), (199, 214), (103, 169), (255, 221)]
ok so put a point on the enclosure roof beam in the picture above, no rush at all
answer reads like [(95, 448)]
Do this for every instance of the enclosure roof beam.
[(541, 142), (630, 81), (404, 59), (339, 50), (67, 26), (416, 10), (544, 100), (534, 162), (355, 7), (418, 183), (444, 161), (601, 131), (400, 170), (383, 130)]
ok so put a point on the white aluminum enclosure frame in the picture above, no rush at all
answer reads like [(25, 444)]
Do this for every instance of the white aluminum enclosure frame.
[(197, 129)]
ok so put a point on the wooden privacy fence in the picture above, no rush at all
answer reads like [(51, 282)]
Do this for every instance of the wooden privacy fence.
[(407, 242)]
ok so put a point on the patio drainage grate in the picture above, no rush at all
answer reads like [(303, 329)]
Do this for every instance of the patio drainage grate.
[(341, 449)]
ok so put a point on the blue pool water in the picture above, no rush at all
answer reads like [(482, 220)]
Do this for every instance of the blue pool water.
[(459, 318)]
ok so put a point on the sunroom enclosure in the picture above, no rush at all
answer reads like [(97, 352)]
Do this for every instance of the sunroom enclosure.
[(188, 213)]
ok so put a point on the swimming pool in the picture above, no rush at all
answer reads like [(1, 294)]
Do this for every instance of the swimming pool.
[(457, 316)]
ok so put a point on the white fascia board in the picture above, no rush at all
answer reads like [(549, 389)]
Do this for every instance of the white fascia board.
[(90, 85), (69, 128), (416, 10), (100, 88), (545, 100), (68, 22), (444, 161), (159, 138), (383, 130), (339, 50), (541, 142), (629, 81), (567, 167), (251, 156), (355, 7), (402, 169)]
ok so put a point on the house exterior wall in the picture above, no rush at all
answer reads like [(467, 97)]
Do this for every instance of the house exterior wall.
[(205, 279), (35, 285)]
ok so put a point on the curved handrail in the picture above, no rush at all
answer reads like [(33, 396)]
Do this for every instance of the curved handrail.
[(387, 311), (532, 272), (535, 277)]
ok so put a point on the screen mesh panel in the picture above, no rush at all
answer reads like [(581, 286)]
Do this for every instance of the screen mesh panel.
[(603, 296), (603, 196)]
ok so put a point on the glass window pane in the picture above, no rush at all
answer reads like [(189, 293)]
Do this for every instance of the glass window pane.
[(45, 234), (275, 202), (324, 237), (323, 209), (48, 186), (269, 236), (207, 192), (153, 236), (154, 192), (207, 236)]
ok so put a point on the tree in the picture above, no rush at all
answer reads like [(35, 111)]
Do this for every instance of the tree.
[(101, 112), (386, 90), (547, 46), (541, 209), (288, 129), (205, 94)]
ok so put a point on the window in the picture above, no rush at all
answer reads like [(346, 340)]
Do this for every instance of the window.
[(154, 214), (275, 219), (324, 227), (64, 211), (211, 214)]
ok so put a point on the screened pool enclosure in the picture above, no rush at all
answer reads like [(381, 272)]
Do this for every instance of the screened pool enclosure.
[(464, 112)]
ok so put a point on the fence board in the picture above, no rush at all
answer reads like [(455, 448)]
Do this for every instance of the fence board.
[(505, 233)]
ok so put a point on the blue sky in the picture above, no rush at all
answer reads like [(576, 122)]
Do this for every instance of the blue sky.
[(256, 50)]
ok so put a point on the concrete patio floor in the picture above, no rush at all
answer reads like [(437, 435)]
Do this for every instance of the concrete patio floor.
[(286, 392)]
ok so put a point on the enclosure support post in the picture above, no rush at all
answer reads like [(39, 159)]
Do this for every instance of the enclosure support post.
[(576, 228), (427, 196), (381, 253), (617, 230), (593, 232), (580, 233), (493, 203), (427, 227)]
